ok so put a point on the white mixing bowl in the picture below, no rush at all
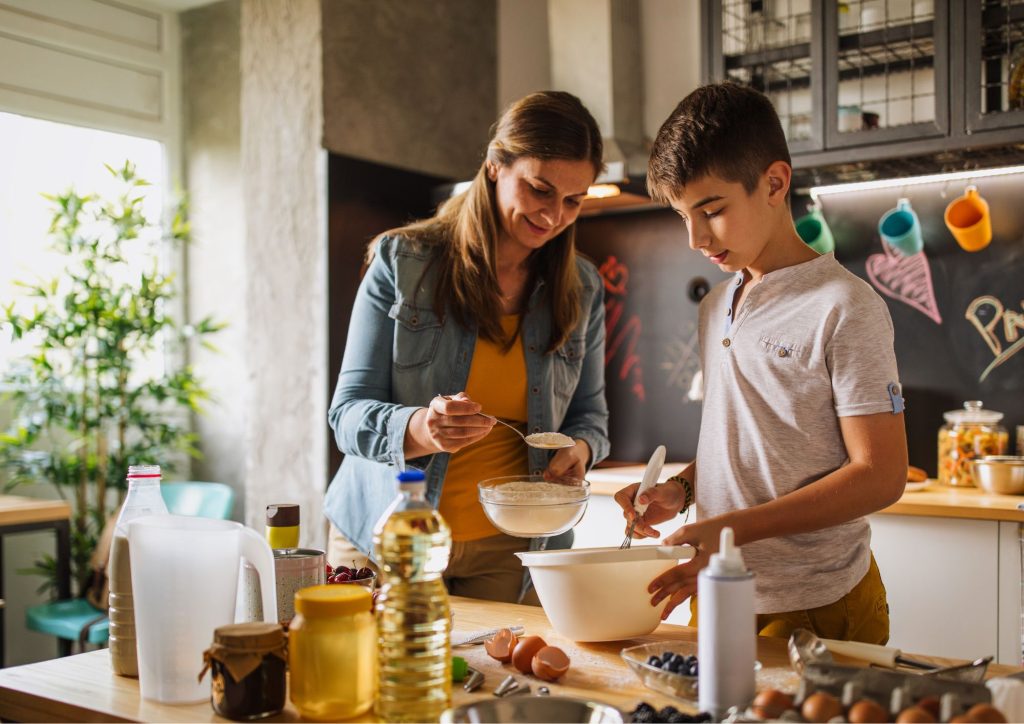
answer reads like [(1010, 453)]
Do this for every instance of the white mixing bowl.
[(600, 594)]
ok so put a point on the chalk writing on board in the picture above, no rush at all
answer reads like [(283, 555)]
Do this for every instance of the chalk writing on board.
[(682, 362), (907, 279), (621, 332), (1012, 323)]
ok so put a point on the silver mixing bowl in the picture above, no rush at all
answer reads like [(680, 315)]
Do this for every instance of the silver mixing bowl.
[(534, 709), (1002, 474)]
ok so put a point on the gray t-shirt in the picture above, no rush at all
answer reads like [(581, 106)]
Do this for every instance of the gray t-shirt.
[(812, 343)]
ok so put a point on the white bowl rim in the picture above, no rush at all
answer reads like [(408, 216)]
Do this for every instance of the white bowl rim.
[(581, 556)]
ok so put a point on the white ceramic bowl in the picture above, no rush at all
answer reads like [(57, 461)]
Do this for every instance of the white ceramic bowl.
[(600, 594), (523, 515)]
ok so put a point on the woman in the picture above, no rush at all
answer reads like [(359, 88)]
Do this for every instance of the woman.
[(483, 307)]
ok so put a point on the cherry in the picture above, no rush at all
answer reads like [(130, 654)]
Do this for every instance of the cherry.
[(342, 577), (363, 572)]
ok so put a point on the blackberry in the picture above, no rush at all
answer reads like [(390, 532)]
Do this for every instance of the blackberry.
[(644, 712), (667, 713)]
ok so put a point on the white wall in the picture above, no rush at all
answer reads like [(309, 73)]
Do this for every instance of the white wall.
[(670, 44)]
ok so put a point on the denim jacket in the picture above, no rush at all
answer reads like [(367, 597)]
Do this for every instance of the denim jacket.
[(400, 354)]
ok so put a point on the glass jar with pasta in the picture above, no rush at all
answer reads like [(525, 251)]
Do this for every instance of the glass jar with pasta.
[(968, 434)]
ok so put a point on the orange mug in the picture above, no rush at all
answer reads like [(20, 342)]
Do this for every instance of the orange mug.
[(968, 220)]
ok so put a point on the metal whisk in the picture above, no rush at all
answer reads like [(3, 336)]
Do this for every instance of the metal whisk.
[(651, 474)]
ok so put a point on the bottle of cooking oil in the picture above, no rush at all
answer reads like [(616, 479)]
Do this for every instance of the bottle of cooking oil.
[(412, 544), (143, 498)]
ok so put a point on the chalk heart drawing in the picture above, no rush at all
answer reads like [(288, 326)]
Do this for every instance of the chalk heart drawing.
[(1011, 321), (906, 279)]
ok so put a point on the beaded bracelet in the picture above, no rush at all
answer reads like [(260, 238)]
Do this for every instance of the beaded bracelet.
[(688, 495)]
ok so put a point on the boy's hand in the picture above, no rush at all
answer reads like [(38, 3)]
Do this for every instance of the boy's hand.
[(679, 583), (569, 462), (664, 503)]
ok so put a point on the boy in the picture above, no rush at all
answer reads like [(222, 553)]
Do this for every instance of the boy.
[(802, 430)]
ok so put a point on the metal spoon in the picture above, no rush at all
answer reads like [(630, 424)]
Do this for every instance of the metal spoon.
[(537, 441)]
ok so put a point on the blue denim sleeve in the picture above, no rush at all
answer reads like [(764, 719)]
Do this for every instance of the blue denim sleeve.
[(365, 421), (587, 416)]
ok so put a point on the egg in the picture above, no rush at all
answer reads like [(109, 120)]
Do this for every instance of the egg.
[(501, 645), (866, 711), (550, 663), (962, 719), (986, 713), (770, 703), (820, 707), (931, 705), (916, 715), (525, 650)]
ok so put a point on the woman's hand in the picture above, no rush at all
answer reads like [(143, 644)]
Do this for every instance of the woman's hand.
[(679, 583), (569, 462), (664, 503), (447, 425)]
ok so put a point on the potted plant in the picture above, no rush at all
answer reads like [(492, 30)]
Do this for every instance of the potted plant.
[(92, 396)]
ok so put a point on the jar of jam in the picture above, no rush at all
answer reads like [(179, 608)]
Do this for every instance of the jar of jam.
[(332, 652), (247, 664), (968, 434)]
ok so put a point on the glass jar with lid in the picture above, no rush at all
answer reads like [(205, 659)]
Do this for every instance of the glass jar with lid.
[(968, 434), (247, 667), (332, 652)]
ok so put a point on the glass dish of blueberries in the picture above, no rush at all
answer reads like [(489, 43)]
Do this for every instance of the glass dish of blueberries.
[(670, 667)]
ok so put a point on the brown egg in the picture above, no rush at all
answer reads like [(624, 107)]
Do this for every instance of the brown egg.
[(962, 719), (916, 475), (820, 707), (866, 711), (770, 703), (550, 663), (502, 645), (525, 650), (916, 715), (986, 713), (931, 705)]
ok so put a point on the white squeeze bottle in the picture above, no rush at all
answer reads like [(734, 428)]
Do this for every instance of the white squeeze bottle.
[(143, 498), (726, 631)]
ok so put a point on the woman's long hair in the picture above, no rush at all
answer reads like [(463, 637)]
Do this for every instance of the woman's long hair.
[(545, 125)]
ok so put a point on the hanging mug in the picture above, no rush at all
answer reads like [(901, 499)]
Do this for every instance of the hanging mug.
[(901, 229), (814, 230), (968, 220)]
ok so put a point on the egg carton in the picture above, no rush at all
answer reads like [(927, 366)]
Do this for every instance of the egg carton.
[(893, 689)]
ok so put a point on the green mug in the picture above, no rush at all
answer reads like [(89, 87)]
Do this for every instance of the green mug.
[(813, 229)]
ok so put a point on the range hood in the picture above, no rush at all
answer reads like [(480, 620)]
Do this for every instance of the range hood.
[(596, 55)]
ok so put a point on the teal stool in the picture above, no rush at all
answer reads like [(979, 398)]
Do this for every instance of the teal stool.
[(205, 500), (76, 619)]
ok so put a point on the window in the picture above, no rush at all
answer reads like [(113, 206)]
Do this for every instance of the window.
[(44, 157)]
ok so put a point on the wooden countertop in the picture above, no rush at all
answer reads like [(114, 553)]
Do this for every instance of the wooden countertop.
[(83, 687), (934, 501), (19, 510)]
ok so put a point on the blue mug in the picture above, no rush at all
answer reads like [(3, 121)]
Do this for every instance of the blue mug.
[(901, 229)]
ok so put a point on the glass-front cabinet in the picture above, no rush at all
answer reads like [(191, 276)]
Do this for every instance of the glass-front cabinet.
[(917, 75), (994, 64), (886, 70)]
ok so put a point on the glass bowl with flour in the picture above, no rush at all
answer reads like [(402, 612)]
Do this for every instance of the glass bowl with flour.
[(529, 506)]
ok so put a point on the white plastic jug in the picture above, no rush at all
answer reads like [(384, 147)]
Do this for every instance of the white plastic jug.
[(185, 579)]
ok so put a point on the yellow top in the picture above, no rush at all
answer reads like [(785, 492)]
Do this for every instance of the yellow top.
[(332, 599), (498, 382)]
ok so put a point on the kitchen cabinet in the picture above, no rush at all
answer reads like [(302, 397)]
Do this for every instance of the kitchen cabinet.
[(953, 585), (862, 81)]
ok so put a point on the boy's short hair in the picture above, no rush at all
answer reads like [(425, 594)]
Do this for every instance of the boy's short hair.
[(727, 129)]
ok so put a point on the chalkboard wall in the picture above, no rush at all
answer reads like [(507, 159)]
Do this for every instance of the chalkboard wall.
[(944, 358)]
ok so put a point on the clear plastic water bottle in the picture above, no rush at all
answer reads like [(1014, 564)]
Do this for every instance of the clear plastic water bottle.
[(143, 498), (412, 545), (726, 631)]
